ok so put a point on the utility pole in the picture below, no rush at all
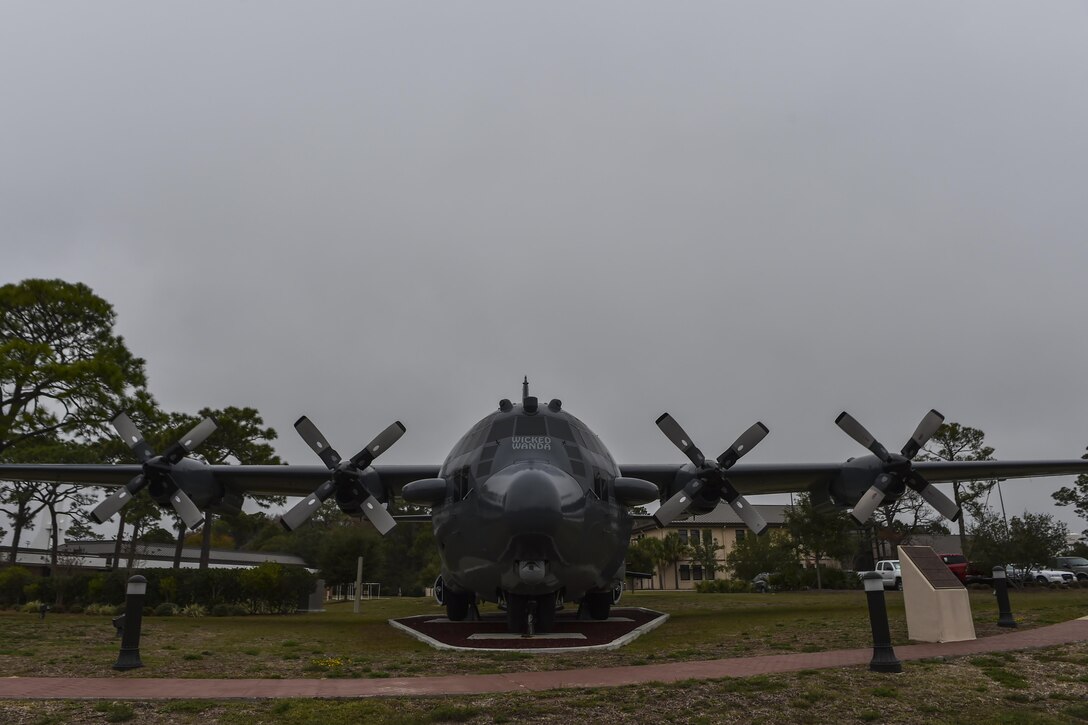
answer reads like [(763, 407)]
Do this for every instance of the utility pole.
[(358, 582)]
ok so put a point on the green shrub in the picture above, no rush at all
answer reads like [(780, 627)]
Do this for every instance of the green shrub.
[(31, 607), (75, 609), (722, 586), (193, 610), (166, 609), (12, 581)]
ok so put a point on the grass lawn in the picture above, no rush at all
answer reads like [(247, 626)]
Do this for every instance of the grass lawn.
[(1038, 686), (339, 643)]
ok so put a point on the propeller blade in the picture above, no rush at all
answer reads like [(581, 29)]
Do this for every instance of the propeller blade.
[(378, 516), (198, 434), (105, 510), (304, 509), (748, 440), (748, 514), (189, 442), (680, 439), (867, 504), (132, 437), (379, 445), (186, 509), (313, 437), (675, 507), (857, 431), (945, 506), (925, 430)]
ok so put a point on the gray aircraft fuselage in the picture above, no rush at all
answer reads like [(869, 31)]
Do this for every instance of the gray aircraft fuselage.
[(531, 508)]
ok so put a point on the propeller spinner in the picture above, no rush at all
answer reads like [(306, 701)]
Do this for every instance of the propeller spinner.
[(710, 475), (156, 468), (345, 474), (898, 467)]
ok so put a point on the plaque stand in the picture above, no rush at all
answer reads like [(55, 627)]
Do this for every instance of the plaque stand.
[(938, 608)]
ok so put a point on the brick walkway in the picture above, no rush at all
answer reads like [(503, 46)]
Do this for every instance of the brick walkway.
[(165, 689)]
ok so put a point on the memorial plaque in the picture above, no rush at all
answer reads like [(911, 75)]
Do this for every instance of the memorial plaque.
[(931, 567)]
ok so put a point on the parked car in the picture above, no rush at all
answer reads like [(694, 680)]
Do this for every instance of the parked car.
[(1041, 575), (1076, 564), (957, 563), (889, 571)]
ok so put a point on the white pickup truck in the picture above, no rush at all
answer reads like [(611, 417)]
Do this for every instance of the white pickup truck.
[(888, 569)]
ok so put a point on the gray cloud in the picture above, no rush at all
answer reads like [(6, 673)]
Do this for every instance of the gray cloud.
[(364, 213)]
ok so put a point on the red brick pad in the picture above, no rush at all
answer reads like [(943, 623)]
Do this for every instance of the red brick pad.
[(569, 632)]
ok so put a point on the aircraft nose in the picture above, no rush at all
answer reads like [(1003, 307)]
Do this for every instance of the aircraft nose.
[(534, 499)]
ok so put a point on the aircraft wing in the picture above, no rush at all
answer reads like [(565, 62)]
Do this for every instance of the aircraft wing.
[(261, 480), (763, 478), (750, 479)]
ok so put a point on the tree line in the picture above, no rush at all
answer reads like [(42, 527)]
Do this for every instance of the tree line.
[(65, 374)]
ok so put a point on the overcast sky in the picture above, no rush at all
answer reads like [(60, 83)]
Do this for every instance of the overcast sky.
[(734, 212)]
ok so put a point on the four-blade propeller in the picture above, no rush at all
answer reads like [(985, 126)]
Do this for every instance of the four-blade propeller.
[(710, 475), (156, 469), (345, 475), (898, 468)]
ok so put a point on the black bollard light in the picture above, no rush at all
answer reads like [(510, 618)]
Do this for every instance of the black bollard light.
[(1001, 589), (884, 659), (129, 658)]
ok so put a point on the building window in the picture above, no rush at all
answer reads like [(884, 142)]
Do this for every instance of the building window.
[(697, 572), (741, 533), (685, 573), (708, 536), (684, 537)]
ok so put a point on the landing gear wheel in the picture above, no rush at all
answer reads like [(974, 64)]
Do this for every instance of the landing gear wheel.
[(545, 613), (457, 604), (517, 613), (519, 607), (599, 604)]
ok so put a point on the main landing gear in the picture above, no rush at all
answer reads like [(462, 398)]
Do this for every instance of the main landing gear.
[(459, 605), (595, 605)]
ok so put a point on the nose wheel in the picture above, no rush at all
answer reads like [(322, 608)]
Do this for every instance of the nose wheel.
[(530, 615)]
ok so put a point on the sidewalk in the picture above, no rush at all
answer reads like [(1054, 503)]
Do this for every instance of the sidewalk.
[(169, 689)]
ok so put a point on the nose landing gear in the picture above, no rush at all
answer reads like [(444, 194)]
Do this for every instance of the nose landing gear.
[(530, 615)]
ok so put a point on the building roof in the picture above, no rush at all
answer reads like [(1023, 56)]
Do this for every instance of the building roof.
[(100, 553), (722, 515)]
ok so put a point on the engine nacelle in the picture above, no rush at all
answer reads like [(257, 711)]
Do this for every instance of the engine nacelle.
[(195, 478), (702, 502), (350, 498), (855, 478)]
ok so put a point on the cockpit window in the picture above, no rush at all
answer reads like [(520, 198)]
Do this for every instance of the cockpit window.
[(530, 426), (559, 428), (503, 428)]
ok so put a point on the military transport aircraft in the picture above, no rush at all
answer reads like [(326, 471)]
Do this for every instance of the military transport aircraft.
[(529, 509)]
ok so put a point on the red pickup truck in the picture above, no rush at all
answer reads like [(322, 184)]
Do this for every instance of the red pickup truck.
[(957, 563)]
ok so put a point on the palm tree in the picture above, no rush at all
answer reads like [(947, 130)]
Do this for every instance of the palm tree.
[(672, 551)]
